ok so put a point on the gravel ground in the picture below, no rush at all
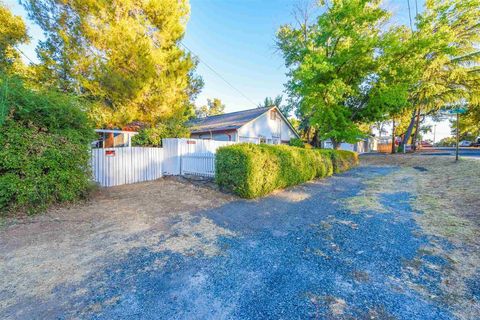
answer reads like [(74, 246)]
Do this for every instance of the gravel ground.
[(366, 244)]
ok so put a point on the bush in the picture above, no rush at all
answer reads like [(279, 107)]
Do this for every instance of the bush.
[(152, 137), (296, 142), (342, 160), (45, 139), (251, 170)]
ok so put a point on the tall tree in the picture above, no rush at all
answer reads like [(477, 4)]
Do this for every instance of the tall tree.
[(12, 33), (212, 108), (450, 70), (124, 56), (286, 109), (332, 65)]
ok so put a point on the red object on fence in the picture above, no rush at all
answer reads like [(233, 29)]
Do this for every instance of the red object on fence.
[(110, 153), (191, 142)]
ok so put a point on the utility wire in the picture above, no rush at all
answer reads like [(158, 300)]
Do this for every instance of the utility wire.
[(409, 15), (218, 74), (206, 64), (23, 54)]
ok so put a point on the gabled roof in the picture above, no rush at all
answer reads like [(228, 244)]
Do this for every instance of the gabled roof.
[(227, 121)]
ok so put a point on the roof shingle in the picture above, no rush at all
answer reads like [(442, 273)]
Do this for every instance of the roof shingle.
[(227, 121)]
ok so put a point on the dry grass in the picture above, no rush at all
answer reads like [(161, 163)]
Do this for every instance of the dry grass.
[(65, 245), (446, 198)]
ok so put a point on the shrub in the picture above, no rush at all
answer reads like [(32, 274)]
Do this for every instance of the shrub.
[(296, 142), (45, 156), (254, 170), (152, 137), (342, 159)]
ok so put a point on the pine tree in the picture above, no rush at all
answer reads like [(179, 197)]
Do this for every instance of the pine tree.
[(124, 56)]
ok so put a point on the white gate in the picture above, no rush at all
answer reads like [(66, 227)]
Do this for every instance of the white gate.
[(117, 166), (191, 156)]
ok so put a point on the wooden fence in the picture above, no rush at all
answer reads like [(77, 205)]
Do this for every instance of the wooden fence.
[(117, 166)]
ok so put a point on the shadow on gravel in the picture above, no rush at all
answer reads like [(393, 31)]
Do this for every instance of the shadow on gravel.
[(297, 254)]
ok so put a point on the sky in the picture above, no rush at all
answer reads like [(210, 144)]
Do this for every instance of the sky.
[(235, 42)]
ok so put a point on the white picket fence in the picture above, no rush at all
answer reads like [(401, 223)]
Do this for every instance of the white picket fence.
[(117, 166)]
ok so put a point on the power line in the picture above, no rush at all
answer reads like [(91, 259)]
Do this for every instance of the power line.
[(23, 54), (409, 15), (218, 74)]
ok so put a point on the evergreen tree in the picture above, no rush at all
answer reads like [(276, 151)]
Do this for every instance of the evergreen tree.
[(124, 56)]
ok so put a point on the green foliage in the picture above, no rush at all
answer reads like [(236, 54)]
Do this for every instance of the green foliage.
[(296, 142), (342, 160), (332, 64), (124, 56), (447, 142), (212, 108), (251, 170), (12, 33), (285, 109), (348, 68), (45, 155), (152, 137)]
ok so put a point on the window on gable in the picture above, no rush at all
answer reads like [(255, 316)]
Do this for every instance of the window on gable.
[(273, 115)]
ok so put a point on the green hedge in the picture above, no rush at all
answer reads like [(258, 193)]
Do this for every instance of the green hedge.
[(342, 160), (251, 170), (45, 141)]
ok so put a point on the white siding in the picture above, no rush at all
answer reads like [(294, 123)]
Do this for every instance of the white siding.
[(266, 127)]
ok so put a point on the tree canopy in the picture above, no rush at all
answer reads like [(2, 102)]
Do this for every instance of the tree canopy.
[(12, 33), (212, 108), (352, 66), (124, 56)]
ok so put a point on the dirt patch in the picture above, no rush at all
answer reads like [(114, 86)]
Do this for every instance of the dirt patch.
[(64, 245), (445, 200)]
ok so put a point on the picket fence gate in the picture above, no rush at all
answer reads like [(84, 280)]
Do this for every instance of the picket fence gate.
[(191, 156)]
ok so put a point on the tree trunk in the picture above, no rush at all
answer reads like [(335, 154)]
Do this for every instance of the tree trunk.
[(335, 144), (315, 141), (409, 130), (415, 136), (393, 136)]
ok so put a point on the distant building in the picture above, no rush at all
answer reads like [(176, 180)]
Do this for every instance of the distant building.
[(260, 125)]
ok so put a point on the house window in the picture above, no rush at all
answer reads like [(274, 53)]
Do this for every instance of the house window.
[(273, 115), (263, 140)]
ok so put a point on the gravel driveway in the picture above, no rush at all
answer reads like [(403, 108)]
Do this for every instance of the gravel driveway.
[(366, 244)]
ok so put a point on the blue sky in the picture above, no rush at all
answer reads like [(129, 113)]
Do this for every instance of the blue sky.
[(237, 39)]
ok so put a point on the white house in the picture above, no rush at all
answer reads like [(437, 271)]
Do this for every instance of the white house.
[(260, 125)]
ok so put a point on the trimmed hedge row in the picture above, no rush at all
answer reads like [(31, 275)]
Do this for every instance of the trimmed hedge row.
[(251, 170), (342, 159)]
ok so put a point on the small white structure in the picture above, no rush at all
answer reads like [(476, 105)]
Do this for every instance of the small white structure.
[(362, 146), (260, 125)]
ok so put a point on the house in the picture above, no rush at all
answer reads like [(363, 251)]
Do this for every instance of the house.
[(259, 125)]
